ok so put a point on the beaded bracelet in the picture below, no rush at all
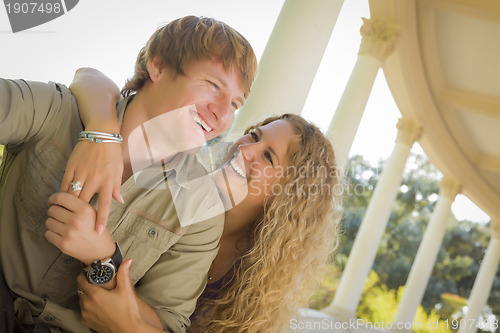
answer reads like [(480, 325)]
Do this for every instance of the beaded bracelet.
[(99, 137)]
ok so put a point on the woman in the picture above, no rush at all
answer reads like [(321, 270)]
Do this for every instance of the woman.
[(287, 244), (274, 242)]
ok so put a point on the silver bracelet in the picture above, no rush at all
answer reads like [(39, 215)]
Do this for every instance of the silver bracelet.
[(99, 137)]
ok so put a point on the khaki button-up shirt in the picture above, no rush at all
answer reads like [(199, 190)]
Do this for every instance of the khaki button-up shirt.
[(39, 125)]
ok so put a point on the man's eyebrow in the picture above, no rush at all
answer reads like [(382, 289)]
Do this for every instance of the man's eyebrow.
[(268, 147)]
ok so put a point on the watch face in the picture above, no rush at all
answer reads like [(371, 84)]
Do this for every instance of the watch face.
[(101, 274)]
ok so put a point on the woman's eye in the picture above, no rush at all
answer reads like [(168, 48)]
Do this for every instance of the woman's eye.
[(254, 136), (268, 157), (235, 106)]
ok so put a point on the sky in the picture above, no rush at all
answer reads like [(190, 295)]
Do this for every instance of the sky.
[(107, 35)]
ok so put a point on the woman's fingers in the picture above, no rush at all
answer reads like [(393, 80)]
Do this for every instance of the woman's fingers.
[(88, 190), (67, 178), (104, 208), (117, 188), (95, 168)]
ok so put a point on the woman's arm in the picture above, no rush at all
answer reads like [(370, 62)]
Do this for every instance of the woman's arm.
[(96, 96), (118, 310), (97, 166)]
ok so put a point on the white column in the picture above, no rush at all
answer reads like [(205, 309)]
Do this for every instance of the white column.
[(290, 61), (482, 285), (427, 252), (374, 223), (378, 41)]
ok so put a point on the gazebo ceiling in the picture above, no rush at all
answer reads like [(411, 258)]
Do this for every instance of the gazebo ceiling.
[(445, 73)]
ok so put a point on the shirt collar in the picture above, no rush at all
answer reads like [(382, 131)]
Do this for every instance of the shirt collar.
[(180, 165)]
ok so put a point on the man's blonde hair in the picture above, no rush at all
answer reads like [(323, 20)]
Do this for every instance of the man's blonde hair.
[(193, 38)]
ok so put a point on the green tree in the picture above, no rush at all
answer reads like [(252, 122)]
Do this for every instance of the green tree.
[(379, 304), (463, 247)]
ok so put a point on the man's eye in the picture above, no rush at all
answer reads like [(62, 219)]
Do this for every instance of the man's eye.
[(214, 87), (254, 136), (235, 106)]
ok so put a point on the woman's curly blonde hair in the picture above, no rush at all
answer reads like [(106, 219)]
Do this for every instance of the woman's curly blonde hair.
[(290, 243)]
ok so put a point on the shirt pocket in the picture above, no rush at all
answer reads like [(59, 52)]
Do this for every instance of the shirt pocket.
[(143, 241), (41, 178)]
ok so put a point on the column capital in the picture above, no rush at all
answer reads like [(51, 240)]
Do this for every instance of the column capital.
[(409, 131), (378, 38), (449, 187)]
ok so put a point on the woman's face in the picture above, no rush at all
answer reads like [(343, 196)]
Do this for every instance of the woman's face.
[(256, 161)]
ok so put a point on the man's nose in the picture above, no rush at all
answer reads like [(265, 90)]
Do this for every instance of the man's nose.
[(223, 112)]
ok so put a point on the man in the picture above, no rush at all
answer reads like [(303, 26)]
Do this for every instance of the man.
[(190, 61)]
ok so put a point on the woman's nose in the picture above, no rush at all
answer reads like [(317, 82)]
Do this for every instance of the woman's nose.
[(250, 150)]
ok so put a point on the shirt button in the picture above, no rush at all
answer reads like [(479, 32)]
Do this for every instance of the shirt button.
[(49, 318), (152, 233), (68, 260)]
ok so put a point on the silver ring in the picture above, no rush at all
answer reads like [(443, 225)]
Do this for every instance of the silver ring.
[(80, 293), (76, 186)]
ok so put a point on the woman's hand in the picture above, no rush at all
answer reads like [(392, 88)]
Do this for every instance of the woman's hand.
[(111, 311), (98, 167)]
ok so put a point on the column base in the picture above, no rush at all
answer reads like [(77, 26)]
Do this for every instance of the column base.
[(339, 313)]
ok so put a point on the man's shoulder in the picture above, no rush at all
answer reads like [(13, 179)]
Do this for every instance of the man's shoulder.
[(35, 90), (36, 110)]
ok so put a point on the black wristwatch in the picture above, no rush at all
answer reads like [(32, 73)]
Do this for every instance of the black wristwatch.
[(100, 272)]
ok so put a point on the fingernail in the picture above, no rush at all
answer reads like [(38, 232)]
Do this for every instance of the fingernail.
[(121, 199), (128, 263), (100, 229)]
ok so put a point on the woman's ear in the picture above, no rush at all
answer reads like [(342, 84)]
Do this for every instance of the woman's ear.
[(155, 69)]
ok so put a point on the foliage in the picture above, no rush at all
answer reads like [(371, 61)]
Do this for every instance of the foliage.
[(324, 294), (380, 304), (451, 304), (459, 257)]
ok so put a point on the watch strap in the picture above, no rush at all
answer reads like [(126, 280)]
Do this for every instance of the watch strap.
[(117, 258), (115, 261)]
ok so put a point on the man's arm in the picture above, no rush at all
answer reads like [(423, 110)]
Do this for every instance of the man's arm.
[(25, 107), (70, 228), (118, 310), (169, 290)]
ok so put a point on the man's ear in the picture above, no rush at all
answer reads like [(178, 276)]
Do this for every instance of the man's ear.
[(155, 69)]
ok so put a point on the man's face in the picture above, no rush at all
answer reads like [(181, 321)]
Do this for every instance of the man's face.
[(216, 92)]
